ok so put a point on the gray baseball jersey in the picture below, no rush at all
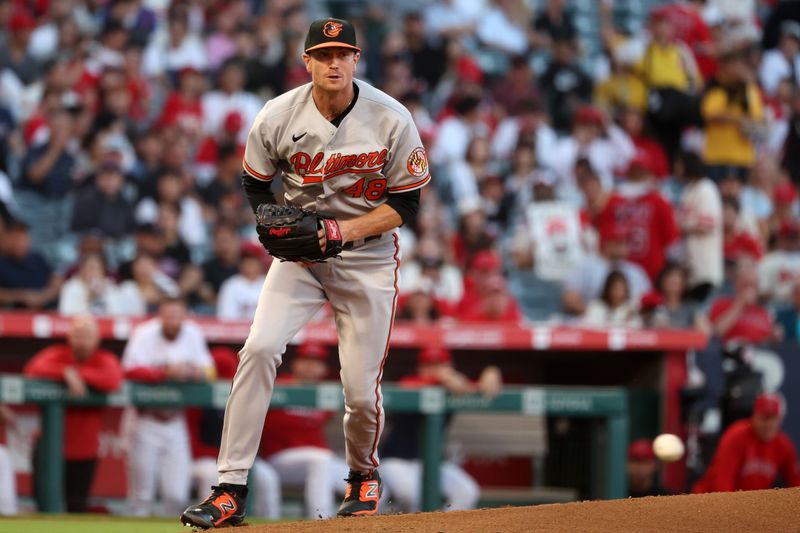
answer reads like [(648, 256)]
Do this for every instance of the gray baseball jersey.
[(348, 170)]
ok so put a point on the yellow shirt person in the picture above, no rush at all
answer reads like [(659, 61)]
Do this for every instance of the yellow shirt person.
[(727, 119)]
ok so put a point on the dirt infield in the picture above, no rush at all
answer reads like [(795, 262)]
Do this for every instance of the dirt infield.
[(752, 512)]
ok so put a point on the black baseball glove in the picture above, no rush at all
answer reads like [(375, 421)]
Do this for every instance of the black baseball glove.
[(290, 233)]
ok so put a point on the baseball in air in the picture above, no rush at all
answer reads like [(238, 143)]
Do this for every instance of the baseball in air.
[(668, 447)]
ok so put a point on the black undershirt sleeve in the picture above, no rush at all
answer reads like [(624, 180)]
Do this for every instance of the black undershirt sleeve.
[(406, 204), (257, 192)]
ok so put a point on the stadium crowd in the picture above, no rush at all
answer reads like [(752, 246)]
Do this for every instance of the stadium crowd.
[(641, 174)]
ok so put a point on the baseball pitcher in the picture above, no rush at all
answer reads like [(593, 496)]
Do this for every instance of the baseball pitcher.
[(353, 166)]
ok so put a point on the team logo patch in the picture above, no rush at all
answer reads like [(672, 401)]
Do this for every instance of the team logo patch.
[(332, 29), (417, 162)]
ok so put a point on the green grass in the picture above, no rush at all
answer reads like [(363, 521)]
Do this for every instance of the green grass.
[(92, 524)]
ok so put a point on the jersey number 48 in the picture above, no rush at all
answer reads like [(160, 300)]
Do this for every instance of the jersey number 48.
[(371, 189)]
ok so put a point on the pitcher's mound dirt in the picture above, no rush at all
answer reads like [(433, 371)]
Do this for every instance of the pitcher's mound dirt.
[(762, 511)]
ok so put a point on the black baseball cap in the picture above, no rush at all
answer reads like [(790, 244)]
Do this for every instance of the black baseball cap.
[(329, 33)]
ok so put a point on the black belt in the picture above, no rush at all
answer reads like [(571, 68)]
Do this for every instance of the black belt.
[(360, 242)]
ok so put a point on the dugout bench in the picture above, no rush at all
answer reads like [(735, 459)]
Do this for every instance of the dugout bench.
[(609, 403)]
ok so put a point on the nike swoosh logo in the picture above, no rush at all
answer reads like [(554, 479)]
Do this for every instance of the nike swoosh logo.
[(296, 138)]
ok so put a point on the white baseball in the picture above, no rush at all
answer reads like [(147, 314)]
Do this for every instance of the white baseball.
[(668, 447)]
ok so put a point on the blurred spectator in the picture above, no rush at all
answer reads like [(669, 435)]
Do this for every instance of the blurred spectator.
[(739, 318), (205, 430), (238, 296), (466, 174), (102, 206), (553, 23), (420, 305), (782, 62), (526, 130), (502, 26), (672, 309), (586, 281), (230, 102), (92, 291), (224, 261), (791, 146), (784, 202), (565, 86), (624, 89), (172, 188), (646, 216), (641, 468), (167, 347), (753, 453), (401, 467), (692, 29), (632, 123), (82, 366), (494, 304), (174, 49), (700, 216), (8, 479), (148, 282), (733, 113), (294, 441), (26, 280), (670, 73), (615, 306), (14, 54), (456, 132), (183, 107), (429, 262), (175, 248), (428, 56), (450, 19), (605, 146), (49, 167), (518, 89), (789, 318), (779, 270)]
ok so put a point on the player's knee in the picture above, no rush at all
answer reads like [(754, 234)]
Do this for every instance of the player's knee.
[(263, 348), (360, 404)]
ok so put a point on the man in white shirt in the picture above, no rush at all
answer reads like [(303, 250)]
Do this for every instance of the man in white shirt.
[(230, 99), (701, 222), (238, 295), (782, 62), (165, 348), (779, 270)]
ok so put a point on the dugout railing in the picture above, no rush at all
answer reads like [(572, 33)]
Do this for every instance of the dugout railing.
[(607, 403)]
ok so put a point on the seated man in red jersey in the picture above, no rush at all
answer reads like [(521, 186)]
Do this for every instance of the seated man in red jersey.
[(81, 365), (740, 318), (753, 452), (294, 441), (401, 467)]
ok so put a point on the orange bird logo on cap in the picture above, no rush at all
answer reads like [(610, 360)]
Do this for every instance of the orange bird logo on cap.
[(332, 29)]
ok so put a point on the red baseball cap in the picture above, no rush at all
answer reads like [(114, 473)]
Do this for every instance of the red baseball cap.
[(784, 193), (641, 450), (486, 260), (252, 249), (21, 20), (768, 405), (639, 162), (469, 69), (434, 354), (312, 350), (588, 114)]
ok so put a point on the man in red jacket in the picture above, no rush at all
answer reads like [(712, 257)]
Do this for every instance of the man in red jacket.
[(81, 365), (647, 217), (294, 440), (753, 452)]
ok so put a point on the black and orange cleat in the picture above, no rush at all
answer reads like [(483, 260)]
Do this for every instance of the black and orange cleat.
[(225, 507), (362, 495)]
